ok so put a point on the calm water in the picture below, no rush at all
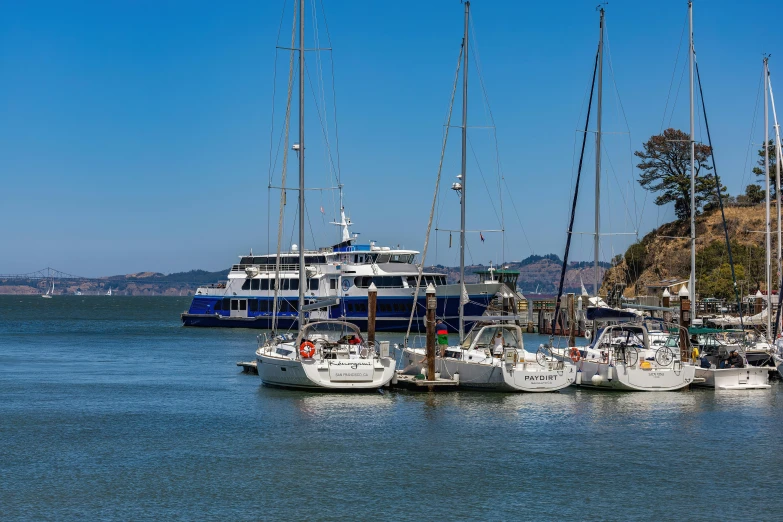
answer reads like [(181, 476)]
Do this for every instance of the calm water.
[(109, 409)]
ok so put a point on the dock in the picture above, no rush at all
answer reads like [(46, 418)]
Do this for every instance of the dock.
[(418, 382), (249, 367)]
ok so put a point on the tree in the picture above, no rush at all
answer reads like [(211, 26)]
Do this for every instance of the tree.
[(666, 168), (759, 169), (755, 194)]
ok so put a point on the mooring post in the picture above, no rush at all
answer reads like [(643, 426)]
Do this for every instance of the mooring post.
[(431, 305), (372, 302), (571, 321)]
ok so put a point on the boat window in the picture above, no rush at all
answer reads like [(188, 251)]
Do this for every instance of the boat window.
[(243, 304), (226, 304), (370, 258), (412, 257), (333, 284), (246, 261), (350, 307), (263, 305), (294, 284), (253, 305), (255, 284), (382, 258), (399, 258), (235, 304), (246, 284), (217, 305), (313, 284)]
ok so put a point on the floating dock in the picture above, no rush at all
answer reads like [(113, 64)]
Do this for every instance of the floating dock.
[(417, 382)]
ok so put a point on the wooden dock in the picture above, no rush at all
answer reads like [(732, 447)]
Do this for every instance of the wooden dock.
[(417, 382), (249, 367)]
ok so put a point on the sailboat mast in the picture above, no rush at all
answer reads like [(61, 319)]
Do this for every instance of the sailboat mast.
[(692, 279), (464, 177), (597, 239), (777, 179), (302, 271), (767, 231)]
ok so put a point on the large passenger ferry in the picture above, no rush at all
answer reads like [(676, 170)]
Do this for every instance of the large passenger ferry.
[(338, 278)]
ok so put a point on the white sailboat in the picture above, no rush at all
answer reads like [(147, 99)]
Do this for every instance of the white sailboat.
[(328, 355), (492, 356), (49, 292), (109, 292), (712, 368)]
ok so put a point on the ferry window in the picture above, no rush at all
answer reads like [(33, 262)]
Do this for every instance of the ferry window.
[(255, 284), (284, 284), (350, 307), (235, 304), (246, 284), (412, 281), (383, 258), (246, 261), (226, 304), (333, 284), (294, 283), (265, 284), (243, 304), (253, 305), (217, 305), (263, 305), (412, 257), (371, 258), (399, 258), (314, 284)]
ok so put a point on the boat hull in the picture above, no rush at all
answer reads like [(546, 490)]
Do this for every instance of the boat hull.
[(625, 378), (312, 374), (748, 378)]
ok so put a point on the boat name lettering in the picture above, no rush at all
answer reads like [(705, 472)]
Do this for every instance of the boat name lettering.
[(540, 377)]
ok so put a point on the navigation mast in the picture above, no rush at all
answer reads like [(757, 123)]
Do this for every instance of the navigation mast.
[(302, 271), (597, 239), (692, 279), (464, 172)]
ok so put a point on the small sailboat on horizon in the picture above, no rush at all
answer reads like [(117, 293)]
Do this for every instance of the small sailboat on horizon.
[(49, 292)]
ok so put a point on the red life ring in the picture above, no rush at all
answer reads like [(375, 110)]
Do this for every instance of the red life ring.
[(575, 354), (307, 349)]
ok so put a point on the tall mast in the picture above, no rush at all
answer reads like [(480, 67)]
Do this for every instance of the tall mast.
[(766, 176), (777, 178), (302, 271), (464, 172), (597, 239), (692, 281)]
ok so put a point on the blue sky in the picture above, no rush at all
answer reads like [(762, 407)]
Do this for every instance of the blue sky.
[(136, 135)]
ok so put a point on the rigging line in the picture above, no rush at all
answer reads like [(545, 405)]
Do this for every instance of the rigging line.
[(720, 198), (320, 83), (320, 118), (746, 170), (677, 96), (576, 195), (483, 179), (285, 170), (514, 205), (334, 100), (274, 91), (435, 195), (674, 71), (625, 118)]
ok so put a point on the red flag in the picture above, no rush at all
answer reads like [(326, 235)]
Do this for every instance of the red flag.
[(481, 236)]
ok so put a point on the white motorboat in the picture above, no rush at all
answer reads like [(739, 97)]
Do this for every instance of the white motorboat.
[(329, 355), (482, 363), (624, 357), (713, 371)]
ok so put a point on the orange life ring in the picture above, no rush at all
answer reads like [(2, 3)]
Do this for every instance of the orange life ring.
[(575, 354), (307, 349)]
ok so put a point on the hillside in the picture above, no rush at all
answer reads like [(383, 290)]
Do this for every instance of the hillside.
[(664, 253)]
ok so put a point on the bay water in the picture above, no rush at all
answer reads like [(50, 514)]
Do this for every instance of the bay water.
[(110, 410)]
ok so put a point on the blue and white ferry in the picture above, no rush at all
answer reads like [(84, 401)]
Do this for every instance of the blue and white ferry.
[(337, 281)]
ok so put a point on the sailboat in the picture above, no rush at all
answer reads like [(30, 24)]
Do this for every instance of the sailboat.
[(109, 292), (492, 356), (627, 352), (329, 354), (712, 370), (49, 292)]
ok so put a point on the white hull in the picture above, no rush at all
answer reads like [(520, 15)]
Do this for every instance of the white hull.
[(748, 378), (339, 374), (498, 376), (46, 296), (633, 378)]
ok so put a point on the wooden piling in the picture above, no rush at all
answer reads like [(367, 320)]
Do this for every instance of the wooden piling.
[(372, 304), (571, 321), (685, 322)]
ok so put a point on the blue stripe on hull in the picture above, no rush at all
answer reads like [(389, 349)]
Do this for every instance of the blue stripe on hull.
[(392, 316)]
